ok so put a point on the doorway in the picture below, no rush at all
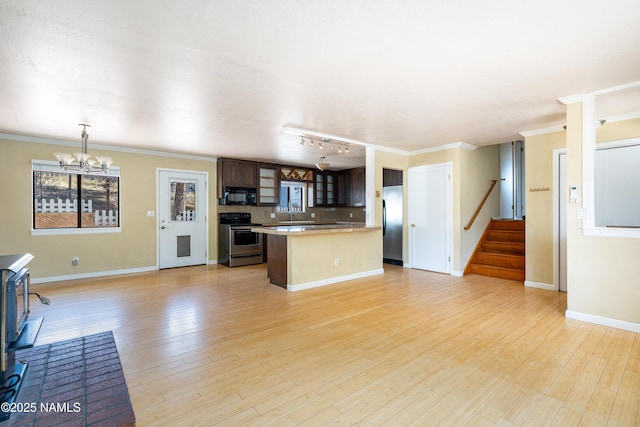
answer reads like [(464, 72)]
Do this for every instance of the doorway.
[(431, 217), (512, 186), (392, 216), (182, 231), (561, 220)]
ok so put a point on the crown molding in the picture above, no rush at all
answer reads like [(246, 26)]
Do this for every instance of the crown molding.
[(619, 88), (542, 131), (392, 150), (51, 141), (622, 117), (609, 119), (572, 99), (450, 146), (305, 132)]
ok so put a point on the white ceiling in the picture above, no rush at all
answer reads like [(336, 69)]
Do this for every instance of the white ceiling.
[(223, 77)]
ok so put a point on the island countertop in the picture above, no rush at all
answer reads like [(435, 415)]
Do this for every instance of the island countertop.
[(313, 228), (302, 255)]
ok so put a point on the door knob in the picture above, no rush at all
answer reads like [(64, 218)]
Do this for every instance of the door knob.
[(163, 227), (413, 225)]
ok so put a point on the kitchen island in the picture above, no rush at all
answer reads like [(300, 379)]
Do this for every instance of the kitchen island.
[(307, 255)]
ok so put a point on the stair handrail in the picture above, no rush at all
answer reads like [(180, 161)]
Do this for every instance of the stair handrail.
[(473, 218)]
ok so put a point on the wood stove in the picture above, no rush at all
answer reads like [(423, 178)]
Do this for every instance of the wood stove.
[(17, 329)]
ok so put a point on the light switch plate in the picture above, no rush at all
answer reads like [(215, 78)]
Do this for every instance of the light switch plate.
[(150, 213)]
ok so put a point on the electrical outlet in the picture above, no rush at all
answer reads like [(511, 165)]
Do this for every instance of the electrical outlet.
[(273, 214), (336, 262), (75, 261), (313, 215)]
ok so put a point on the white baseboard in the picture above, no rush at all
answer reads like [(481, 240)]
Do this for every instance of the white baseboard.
[(324, 282), (604, 321), (457, 273), (93, 275), (102, 273), (539, 285)]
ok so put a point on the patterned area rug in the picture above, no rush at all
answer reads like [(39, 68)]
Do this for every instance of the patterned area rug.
[(78, 382)]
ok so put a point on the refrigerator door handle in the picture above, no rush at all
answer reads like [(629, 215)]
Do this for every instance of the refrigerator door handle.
[(384, 217)]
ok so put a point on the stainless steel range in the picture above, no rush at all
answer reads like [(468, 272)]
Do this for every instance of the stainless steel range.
[(237, 244)]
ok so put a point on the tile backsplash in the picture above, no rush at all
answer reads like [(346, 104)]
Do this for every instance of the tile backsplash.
[(262, 214)]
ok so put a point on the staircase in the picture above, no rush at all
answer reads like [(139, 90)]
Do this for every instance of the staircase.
[(500, 252)]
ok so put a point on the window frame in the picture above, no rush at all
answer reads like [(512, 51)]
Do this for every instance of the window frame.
[(52, 166), (589, 146), (305, 195)]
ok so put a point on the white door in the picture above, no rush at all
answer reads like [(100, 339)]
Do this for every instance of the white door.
[(430, 217), (563, 199), (182, 222)]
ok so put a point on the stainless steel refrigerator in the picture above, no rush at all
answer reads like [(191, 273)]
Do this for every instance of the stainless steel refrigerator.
[(392, 224)]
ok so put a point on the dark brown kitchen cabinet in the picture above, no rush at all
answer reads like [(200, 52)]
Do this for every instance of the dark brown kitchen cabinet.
[(350, 187), (357, 187), (325, 189), (391, 177), (236, 173), (342, 183)]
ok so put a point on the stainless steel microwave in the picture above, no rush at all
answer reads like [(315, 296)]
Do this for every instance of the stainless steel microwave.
[(239, 196)]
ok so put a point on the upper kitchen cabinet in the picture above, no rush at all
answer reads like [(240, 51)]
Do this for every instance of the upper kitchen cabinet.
[(342, 184), (325, 189), (391, 177), (267, 185), (236, 173), (350, 187), (357, 187)]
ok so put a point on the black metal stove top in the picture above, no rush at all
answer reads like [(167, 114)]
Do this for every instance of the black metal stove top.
[(235, 218)]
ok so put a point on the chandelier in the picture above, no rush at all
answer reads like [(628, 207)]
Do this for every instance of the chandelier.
[(322, 164), (82, 161)]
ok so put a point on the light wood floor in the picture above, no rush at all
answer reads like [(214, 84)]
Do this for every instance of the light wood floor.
[(210, 345)]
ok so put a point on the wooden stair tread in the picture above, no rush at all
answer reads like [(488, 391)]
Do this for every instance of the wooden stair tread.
[(505, 236), (501, 251), (500, 272), (509, 261), (514, 248), (508, 224)]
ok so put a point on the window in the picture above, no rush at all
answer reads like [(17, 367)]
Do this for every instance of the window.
[(182, 204), (74, 200), (617, 185), (292, 196)]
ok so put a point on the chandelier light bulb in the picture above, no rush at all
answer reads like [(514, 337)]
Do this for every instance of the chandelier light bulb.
[(82, 161)]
